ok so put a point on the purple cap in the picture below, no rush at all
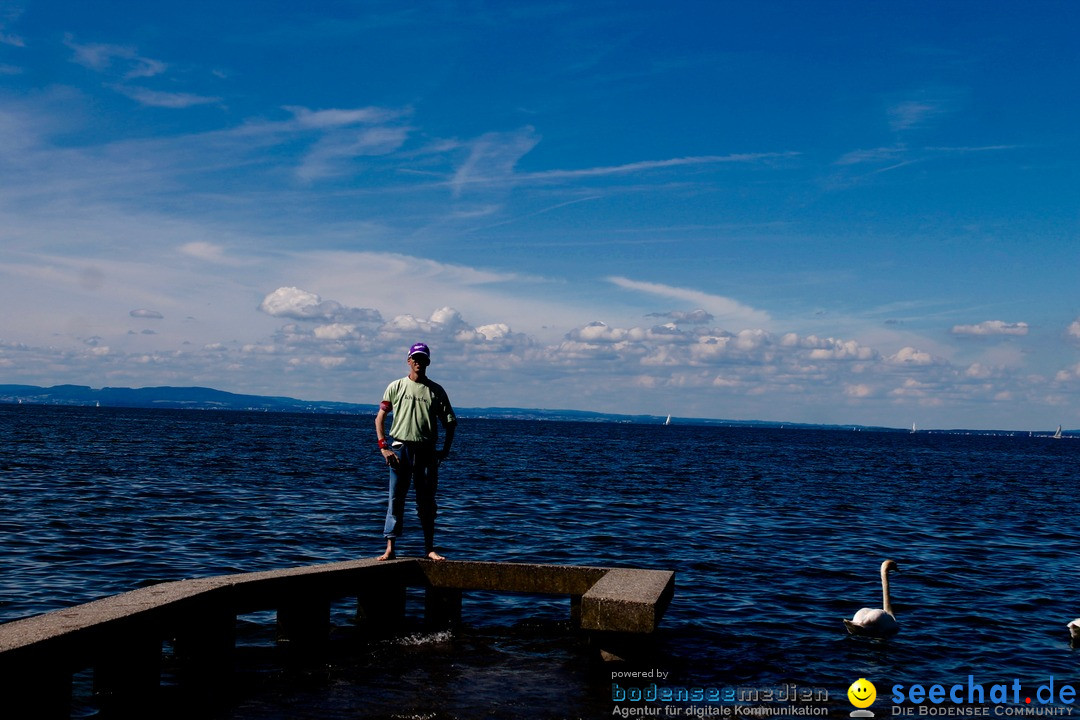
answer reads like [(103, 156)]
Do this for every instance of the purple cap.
[(420, 349)]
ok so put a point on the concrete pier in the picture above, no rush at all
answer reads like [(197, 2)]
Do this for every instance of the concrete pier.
[(120, 637)]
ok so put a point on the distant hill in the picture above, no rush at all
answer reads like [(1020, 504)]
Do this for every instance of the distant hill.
[(200, 398), (194, 398)]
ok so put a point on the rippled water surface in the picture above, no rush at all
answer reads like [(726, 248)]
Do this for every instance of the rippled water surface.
[(774, 535)]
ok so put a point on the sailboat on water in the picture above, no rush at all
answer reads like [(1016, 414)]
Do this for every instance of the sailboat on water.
[(668, 421), (1057, 435), (913, 429)]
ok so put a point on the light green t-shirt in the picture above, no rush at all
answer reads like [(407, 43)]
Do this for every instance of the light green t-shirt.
[(416, 406)]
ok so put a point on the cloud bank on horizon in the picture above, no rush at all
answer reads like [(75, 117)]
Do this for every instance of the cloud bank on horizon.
[(768, 211)]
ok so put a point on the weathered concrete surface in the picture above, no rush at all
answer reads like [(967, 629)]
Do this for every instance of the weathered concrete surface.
[(512, 577), (612, 599), (629, 601), (200, 614), (114, 609), (192, 611), (240, 593)]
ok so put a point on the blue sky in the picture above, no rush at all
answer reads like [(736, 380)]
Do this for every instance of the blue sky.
[(840, 212)]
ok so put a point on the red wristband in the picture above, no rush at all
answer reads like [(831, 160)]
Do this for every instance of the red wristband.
[(382, 443)]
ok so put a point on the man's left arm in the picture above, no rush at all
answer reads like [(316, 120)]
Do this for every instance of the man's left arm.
[(448, 440), (449, 422)]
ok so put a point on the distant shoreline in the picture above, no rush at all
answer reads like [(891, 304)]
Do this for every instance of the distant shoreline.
[(202, 398)]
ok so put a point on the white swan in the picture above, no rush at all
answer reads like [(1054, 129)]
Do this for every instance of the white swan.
[(1074, 630), (877, 622)]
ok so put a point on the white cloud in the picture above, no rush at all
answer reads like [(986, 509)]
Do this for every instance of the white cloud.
[(991, 327), (292, 302), (842, 350), (204, 251), (337, 136), (101, 57), (1073, 331), (912, 388), (646, 165), (329, 362), (693, 317), (724, 309), (124, 63), (876, 155), (752, 350), (495, 331), (149, 314), (598, 332), (1069, 374), (10, 39), (492, 157), (330, 154), (927, 105), (448, 317), (95, 56), (335, 331), (912, 113), (444, 325), (155, 98), (911, 356), (336, 118), (858, 391)]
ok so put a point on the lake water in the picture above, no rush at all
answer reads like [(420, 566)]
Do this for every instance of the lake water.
[(775, 535)]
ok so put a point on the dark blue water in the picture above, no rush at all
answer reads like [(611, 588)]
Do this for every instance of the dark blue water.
[(775, 535)]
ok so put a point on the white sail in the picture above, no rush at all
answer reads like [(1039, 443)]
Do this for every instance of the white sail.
[(668, 421), (1058, 433)]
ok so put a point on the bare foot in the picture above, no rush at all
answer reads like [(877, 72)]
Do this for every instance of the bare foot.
[(388, 555), (435, 556)]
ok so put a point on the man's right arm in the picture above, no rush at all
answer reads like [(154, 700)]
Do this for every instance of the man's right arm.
[(380, 422)]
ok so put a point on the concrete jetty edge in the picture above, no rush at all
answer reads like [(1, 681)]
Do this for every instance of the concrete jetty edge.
[(120, 637)]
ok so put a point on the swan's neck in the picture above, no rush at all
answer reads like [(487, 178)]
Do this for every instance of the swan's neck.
[(886, 599)]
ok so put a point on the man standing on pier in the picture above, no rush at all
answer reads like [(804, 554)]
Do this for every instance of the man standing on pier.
[(416, 404)]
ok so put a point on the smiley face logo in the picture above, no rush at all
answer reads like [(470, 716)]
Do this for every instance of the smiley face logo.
[(862, 693)]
